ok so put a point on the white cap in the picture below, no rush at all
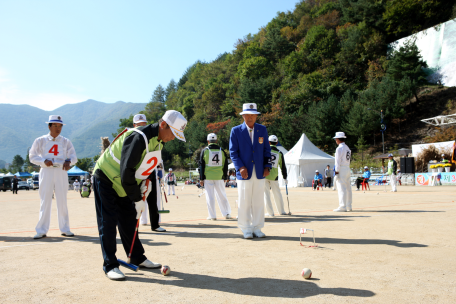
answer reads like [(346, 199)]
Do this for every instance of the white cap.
[(390, 155), (249, 108), (273, 138), (170, 169), (176, 122), (139, 118), (340, 135), (212, 136), (443, 154), (316, 170), (55, 119), (366, 167)]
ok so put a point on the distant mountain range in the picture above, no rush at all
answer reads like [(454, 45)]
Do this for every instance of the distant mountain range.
[(85, 123)]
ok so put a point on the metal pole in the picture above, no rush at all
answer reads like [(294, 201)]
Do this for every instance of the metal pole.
[(383, 139)]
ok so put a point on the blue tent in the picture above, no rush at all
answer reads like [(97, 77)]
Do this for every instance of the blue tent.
[(23, 174), (75, 171)]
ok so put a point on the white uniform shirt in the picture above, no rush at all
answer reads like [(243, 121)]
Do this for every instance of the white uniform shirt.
[(343, 154), (253, 131), (76, 184), (38, 154)]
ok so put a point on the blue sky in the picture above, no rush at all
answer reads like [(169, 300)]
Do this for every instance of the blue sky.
[(58, 52)]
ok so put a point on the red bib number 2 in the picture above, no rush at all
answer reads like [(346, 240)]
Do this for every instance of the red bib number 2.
[(149, 163)]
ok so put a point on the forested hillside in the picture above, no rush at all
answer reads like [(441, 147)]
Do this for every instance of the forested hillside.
[(317, 69)]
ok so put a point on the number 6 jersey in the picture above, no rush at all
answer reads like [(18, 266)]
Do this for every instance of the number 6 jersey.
[(56, 150), (343, 155)]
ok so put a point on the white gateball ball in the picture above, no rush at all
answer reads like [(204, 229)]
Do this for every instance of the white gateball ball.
[(377, 193), (306, 273), (165, 270)]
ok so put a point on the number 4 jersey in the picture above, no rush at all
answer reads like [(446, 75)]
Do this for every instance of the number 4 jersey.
[(56, 150), (213, 163)]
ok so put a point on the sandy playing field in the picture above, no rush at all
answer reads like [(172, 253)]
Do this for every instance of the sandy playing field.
[(393, 248)]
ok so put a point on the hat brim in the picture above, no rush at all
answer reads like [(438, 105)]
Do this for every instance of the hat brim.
[(178, 134), (48, 122), (249, 112), (140, 121), (340, 137)]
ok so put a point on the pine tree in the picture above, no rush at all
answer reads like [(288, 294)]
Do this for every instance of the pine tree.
[(172, 87), (406, 62), (159, 95), (17, 163)]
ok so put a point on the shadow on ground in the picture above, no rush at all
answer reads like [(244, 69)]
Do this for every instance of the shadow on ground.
[(259, 287)]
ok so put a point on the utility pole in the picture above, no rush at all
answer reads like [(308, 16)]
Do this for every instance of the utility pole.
[(382, 128)]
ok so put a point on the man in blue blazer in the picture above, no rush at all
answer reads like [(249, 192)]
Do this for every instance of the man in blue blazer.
[(251, 155)]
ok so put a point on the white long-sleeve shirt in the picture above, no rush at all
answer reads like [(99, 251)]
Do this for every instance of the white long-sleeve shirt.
[(343, 154), (57, 150)]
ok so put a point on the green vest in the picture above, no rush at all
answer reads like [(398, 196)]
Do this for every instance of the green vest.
[(85, 191), (390, 167), (214, 159), (111, 168), (276, 160)]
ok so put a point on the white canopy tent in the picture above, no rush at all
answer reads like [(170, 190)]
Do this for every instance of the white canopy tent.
[(302, 161)]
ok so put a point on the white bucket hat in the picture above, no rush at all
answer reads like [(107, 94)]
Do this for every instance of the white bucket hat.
[(170, 169), (316, 171), (390, 155), (340, 135), (55, 119), (366, 167), (212, 136), (176, 122), (273, 138), (249, 108), (139, 118)]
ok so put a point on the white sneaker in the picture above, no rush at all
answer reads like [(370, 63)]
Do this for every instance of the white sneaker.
[(248, 235), (211, 218), (357, 189), (68, 233), (259, 234), (228, 217), (160, 229), (150, 264), (115, 274), (349, 209), (334, 189), (267, 214), (340, 210), (39, 236)]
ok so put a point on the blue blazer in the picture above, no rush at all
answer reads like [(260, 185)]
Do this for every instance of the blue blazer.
[(244, 154)]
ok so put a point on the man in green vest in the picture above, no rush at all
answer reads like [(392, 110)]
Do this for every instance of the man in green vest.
[(119, 188), (213, 172), (272, 180)]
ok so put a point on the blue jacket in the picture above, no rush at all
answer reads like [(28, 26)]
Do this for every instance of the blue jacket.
[(244, 154), (317, 177), (366, 174)]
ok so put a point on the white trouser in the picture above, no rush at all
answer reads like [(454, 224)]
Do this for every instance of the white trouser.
[(274, 185), (217, 186), (143, 220), (169, 189), (393, 182), (53, 179), (251, 204), (344, 188)]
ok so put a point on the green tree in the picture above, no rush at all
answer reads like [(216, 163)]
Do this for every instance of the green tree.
[(85, 163), (361, 146), (159, 95), (171, 88), (276, 46), (28, 166), (124, 123), (16, 165), (323, 120), (406, 62)]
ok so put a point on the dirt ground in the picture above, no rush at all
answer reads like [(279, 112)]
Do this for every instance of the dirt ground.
[(393, 248)]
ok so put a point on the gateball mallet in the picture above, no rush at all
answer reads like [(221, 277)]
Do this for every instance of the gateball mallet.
[(286, 188), (128, 264)]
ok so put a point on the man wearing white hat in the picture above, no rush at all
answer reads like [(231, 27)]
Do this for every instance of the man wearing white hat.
[(392, 170), (121, 187), (213, 171), (170, 179), (342, 171), (272, 180), (54, 154), (251, 156), (318, 180), (153, 200)]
